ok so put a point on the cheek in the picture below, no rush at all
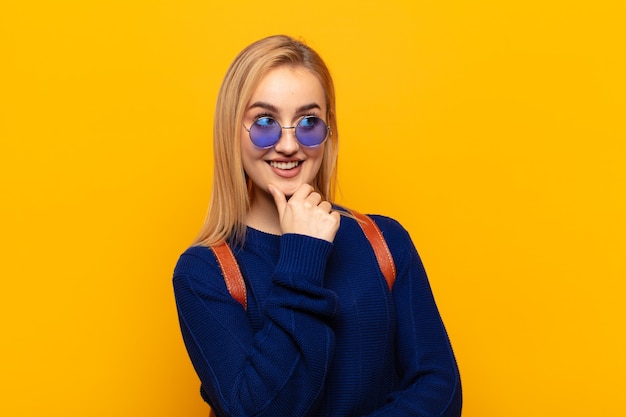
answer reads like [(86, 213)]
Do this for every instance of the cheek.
[(250, 155), (317, 156), (245, 147)]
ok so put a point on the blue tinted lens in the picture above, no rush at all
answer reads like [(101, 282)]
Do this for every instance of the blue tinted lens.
[(265, 132), (311, 131)]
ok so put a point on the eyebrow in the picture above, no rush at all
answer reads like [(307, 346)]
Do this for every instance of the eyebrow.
[(272, 108)]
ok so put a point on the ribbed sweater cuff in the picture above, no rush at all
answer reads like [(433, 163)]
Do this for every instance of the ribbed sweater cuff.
[(304, 255)]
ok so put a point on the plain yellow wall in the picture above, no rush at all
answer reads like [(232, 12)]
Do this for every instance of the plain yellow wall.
[(494, 131)]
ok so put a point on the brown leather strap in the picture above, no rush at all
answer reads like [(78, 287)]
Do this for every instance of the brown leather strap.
[(232, 274), (381, 250)]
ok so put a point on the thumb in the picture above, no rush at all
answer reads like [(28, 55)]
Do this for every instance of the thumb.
[(279, 198)]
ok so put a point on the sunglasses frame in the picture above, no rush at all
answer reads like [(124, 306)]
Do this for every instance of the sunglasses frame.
[(328, 131)]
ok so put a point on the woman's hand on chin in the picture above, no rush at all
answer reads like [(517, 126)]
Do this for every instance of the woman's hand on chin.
[(305, 213)]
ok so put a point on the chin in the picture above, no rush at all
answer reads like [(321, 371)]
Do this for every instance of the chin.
[(289, 189)]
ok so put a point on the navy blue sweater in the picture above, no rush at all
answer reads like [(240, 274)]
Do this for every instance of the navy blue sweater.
[(322, 334)]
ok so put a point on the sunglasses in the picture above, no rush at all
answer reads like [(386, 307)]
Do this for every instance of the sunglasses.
[(265, 132)]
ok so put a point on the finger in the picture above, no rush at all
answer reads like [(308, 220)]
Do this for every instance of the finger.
[(325, 206), (314, 198), (302, 192), (279, 198)]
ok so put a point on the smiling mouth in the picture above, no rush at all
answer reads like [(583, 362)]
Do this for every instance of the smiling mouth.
[(284, 165)]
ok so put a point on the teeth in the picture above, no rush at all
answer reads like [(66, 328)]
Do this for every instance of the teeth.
[(284, 165)]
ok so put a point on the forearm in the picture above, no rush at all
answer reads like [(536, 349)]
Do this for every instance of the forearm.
[(279, 368)]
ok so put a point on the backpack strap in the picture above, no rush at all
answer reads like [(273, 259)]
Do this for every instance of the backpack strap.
[(231, 272), (237, 287), (381, 250)]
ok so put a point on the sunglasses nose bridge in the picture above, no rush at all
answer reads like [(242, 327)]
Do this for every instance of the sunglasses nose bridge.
[(292, 128), (282, 138)]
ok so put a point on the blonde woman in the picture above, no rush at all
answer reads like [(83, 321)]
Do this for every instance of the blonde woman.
[(321, 333)]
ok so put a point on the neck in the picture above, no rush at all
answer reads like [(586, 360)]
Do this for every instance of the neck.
[(263, 214)]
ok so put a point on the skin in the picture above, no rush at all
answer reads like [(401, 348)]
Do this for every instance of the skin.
[(283, 200)]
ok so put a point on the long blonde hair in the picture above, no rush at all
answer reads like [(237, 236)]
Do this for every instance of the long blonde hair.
[(230, 196)]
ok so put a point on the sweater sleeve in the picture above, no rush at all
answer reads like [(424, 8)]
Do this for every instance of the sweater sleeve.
[(279, 369), (430, 384)]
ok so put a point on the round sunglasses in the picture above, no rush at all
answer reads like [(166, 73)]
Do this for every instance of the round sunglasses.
[(265, 131)]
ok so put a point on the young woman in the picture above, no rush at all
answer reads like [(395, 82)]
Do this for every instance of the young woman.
[(322, 332)]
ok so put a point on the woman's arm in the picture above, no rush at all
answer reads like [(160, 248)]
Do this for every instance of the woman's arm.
[(430, 382), (278, 370)]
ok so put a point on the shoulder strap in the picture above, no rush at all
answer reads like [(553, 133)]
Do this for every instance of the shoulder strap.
[(381, 250), (231, 272), (237, 287)]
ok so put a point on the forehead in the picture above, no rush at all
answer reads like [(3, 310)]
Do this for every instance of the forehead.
[(288, 87)]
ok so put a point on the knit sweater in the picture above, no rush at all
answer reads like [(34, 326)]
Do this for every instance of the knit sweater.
[(322, 335)]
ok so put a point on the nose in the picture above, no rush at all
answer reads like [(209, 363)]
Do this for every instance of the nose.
[(288, 143)]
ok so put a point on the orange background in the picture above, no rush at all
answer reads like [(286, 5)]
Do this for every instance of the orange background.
[(494, 131)]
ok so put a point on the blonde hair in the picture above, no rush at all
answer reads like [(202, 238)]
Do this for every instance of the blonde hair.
[(230, 196)]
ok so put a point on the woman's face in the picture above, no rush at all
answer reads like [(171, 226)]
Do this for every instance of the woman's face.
[(286, 94)]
